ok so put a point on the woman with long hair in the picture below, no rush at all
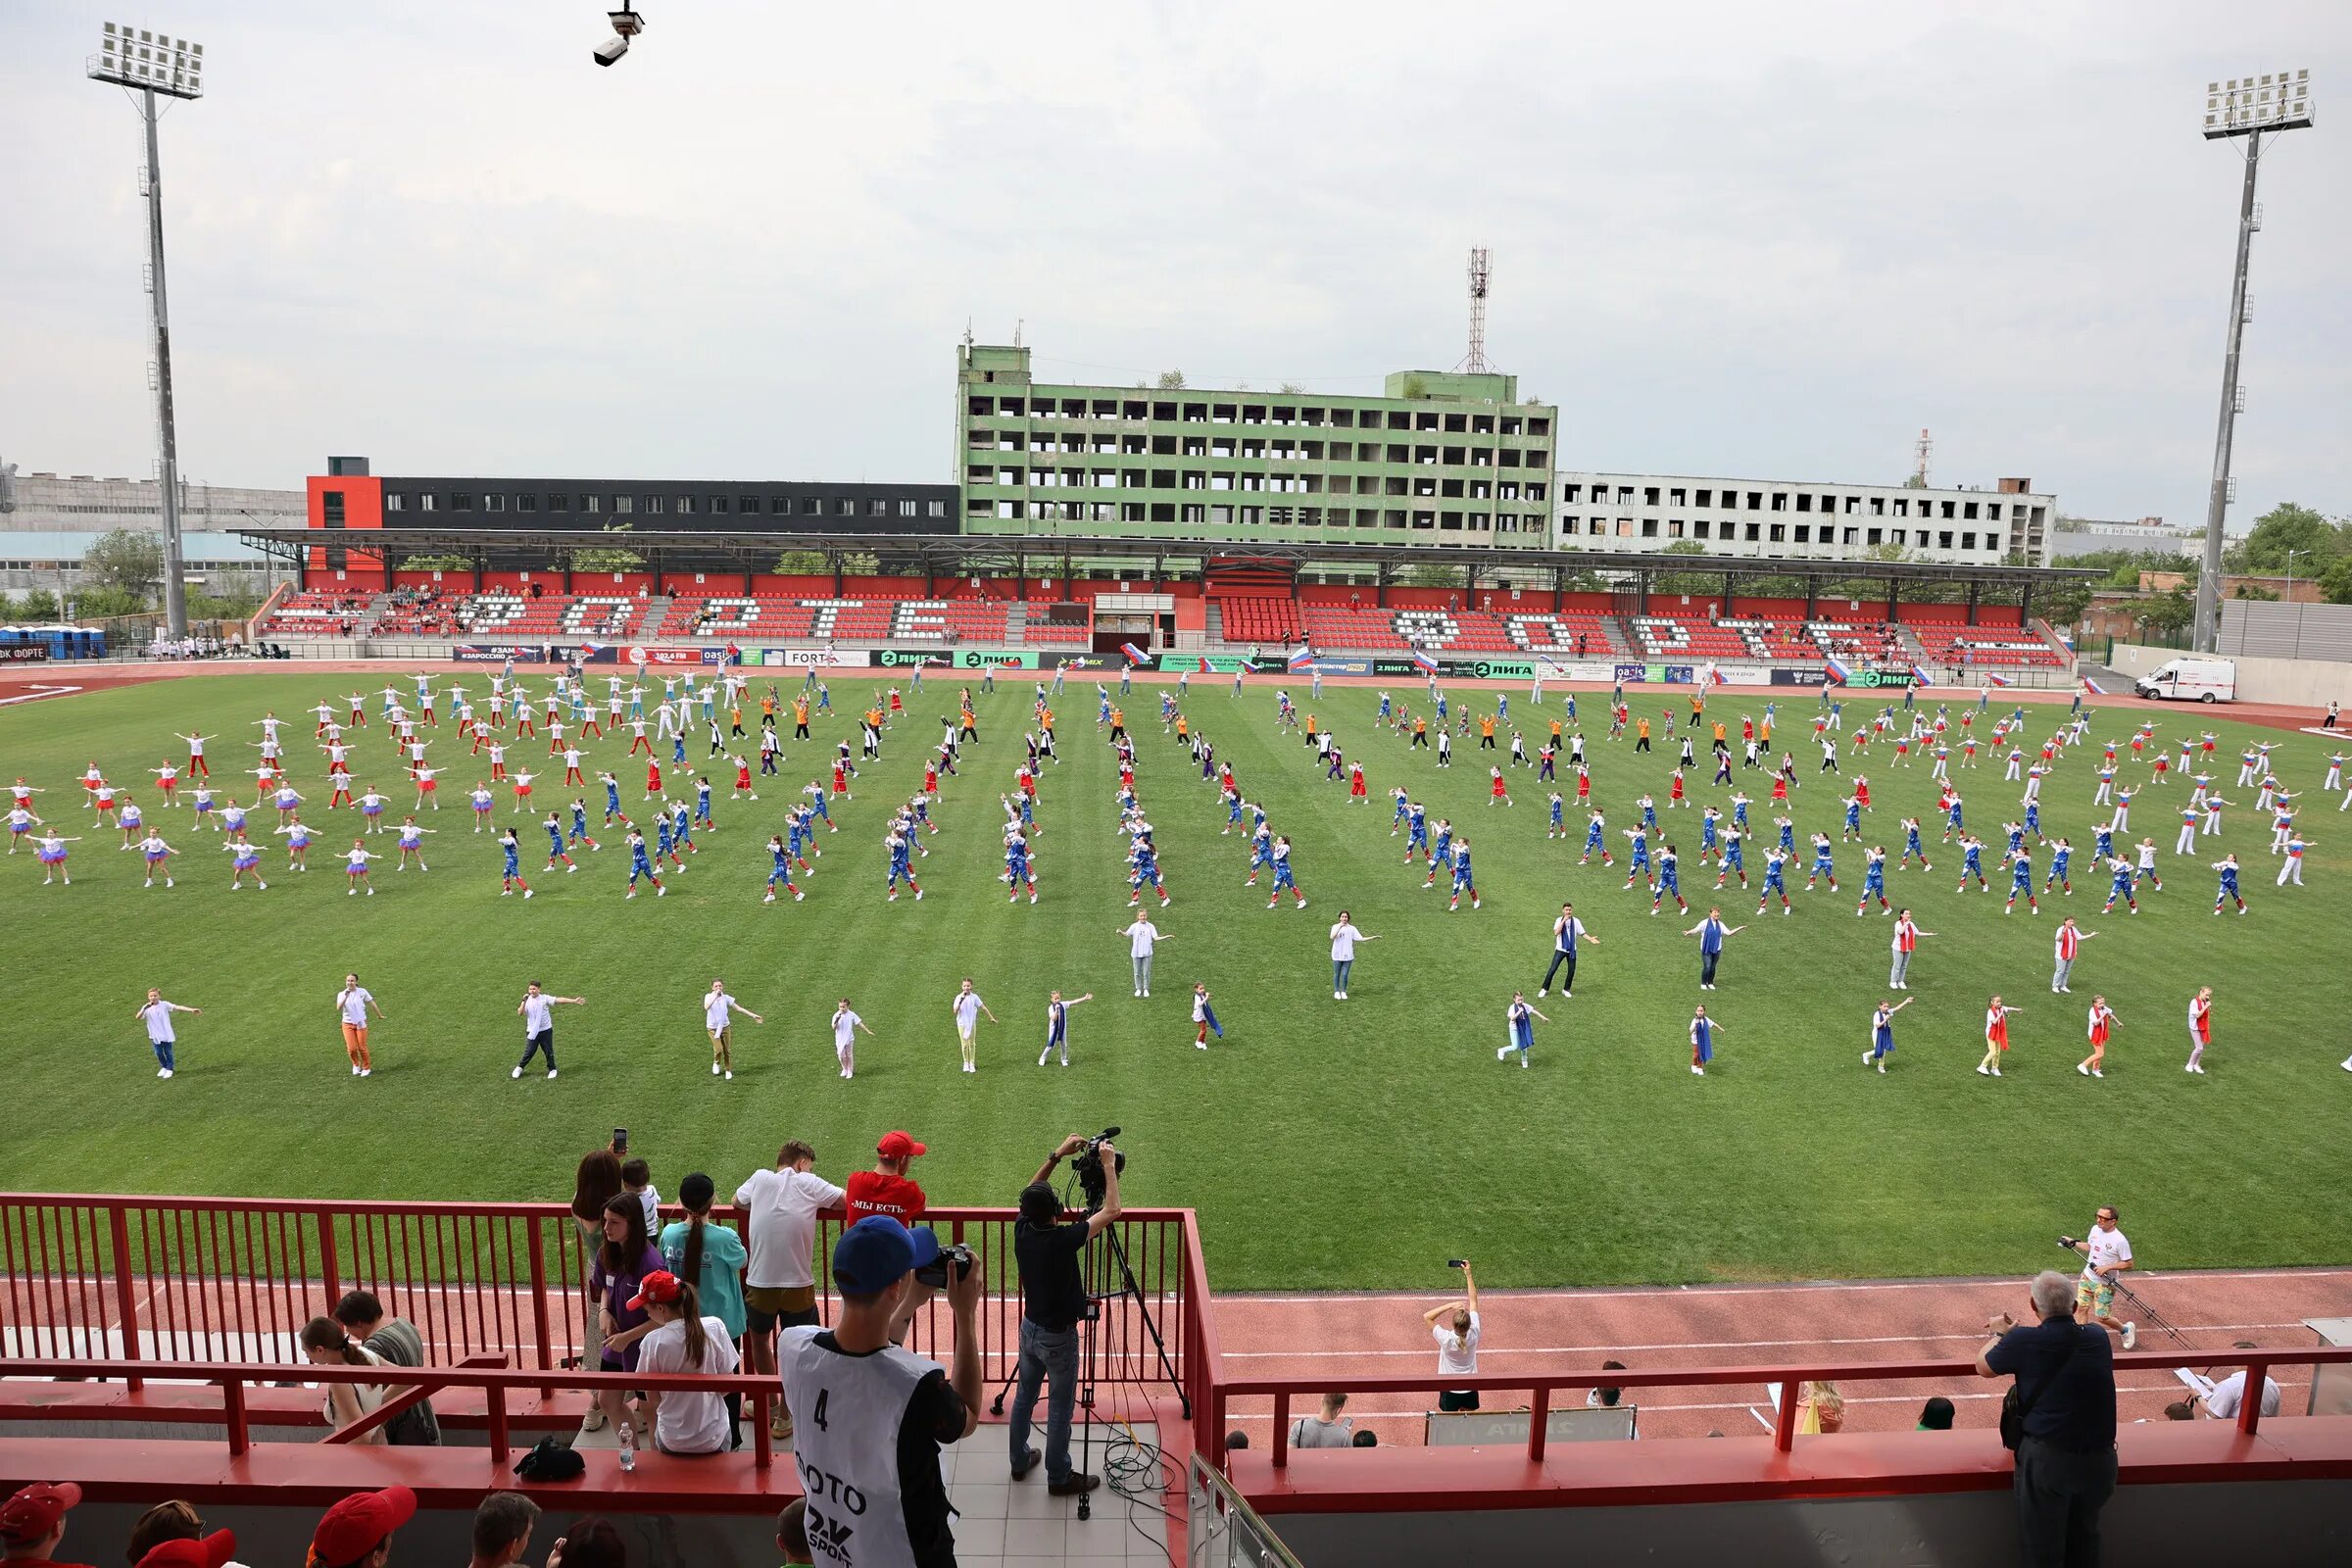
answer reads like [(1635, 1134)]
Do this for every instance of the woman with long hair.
[(623, 1260), (325, 1344), (683, 1340), (710, 1258), (592, 1187), (591, 1542)]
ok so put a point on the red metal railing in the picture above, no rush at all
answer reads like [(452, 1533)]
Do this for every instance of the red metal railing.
[(1791, 1379), (226, 1280)]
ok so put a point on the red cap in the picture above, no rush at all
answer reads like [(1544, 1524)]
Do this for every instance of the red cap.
[(660, 1286), (898, 1145), (211, 1552), (353, 1527), (35, 1513)]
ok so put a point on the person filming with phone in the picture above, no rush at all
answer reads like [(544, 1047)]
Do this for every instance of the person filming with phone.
[(1055, 1300), (1454, 1325)]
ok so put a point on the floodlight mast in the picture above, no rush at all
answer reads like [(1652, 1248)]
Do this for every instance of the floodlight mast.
[(2244, 107), (150, 65)]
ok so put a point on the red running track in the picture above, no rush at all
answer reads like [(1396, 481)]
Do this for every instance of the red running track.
[(1325, 1337)]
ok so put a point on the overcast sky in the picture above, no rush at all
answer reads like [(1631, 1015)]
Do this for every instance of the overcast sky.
[(1728, 239)]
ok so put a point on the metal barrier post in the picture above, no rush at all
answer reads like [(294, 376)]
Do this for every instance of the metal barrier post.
[(126, 1306), (232, 1412), (1281, 1429), (1784, 1425), (499, 1445), (1537, 1412), (539, 1320)]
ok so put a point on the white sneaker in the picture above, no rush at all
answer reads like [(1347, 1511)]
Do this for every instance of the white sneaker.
[(516, 1073), (1996, 1072), (1986, 1071), (1866, 1058), (163, 1072), (551, 1075), (366, 1072), (2084, 1070), (714, 1069), (1503, 1054), (730, 1075), (2131, 1335)]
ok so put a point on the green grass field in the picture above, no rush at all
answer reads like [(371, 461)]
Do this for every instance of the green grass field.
[(1325, 1143)]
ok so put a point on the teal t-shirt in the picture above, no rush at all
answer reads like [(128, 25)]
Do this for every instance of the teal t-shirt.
[(722, 1285)]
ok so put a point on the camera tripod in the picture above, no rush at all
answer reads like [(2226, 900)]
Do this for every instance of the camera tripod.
[(1113, 1250)]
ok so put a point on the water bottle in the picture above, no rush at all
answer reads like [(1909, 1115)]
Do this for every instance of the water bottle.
[(628, 1447)]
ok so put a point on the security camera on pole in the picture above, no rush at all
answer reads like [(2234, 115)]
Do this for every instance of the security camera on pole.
[(149, 64), (626, 25)]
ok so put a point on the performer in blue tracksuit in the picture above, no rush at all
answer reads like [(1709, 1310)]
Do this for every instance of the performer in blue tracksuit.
[(1734, 862), (1775, 862), (1282, 875), (2021, 880), (2121, 886), (780, 857), (1057, 1026), (512, 878), (1017, 871), (1559, 825), (1440, 853), (579, 824), (2227, 866), (1416, 832), (1592, 840), (1952, 819), (1823, 867), (1972, 864), (1462, 882), (1873, 881), (1637, 865), (902, 865), (2059, 867), (1912, 846), (1519, 1028), (1669, 883)]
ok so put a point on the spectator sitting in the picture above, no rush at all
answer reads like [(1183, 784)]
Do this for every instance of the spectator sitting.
[(1330, 1430), (1935, 1415), (591, 1542), (502, 1529), (2180, 1410), (158, 1536), (1606, 1398), (683, 1340), (356, 1533), (325, 1344), (394, 1340), (33, 1522), (2221, 1399), (792, 1533), (1363, 1439)]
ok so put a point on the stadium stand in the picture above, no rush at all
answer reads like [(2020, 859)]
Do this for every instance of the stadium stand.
[(2005, 647), (506, 615), (318, 615), (1457, 631), (862, 620), (1258, 618)]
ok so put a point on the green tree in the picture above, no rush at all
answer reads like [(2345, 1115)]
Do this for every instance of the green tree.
[(800, 564), (437, 564), (2247, 590), (1429, 574), (612, 559), (2286, 526), (1170, 381), (129, 559), (1290, 389), (102, 601), (1685, 582), (2167, 612), (2336, 583), (38, 605)]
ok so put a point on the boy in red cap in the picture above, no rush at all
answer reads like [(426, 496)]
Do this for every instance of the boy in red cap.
[(888, 1190), (356, 1533), (33, 1522)]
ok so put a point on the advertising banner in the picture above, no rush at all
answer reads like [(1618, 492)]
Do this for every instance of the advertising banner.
[(1493, 668), (1799, 677), (1657, 674), (1227, 663), (499, 653), (902, 658), (809, 658), (995, 659), (675, 656), (23, 654), (1884, 678)]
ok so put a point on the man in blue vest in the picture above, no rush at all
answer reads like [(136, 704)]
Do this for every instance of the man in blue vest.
[(1566, 932)]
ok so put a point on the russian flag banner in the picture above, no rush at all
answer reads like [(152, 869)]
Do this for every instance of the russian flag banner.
[(2093, 687), (1838, 673), (1716, 677), (1997, 680), (1919, 675), (1135, 655), (1204, 670), (1424, 663), (1302, 656)]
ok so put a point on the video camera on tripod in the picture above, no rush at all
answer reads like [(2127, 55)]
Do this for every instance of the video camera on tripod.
[(1086, 1165)]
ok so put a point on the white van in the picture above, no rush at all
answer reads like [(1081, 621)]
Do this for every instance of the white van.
[(2205, 680)]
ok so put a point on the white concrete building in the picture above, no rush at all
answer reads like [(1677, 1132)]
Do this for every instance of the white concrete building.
[(47, 520), (1649, 512)]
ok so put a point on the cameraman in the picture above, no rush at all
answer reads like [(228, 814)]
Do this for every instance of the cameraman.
[(1053, 1302)]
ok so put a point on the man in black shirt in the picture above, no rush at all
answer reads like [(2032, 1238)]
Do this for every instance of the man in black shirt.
[(2066, 1392), (1054, 1302)]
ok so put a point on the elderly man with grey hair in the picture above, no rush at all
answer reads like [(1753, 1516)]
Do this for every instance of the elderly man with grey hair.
[(2065, 1375)]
